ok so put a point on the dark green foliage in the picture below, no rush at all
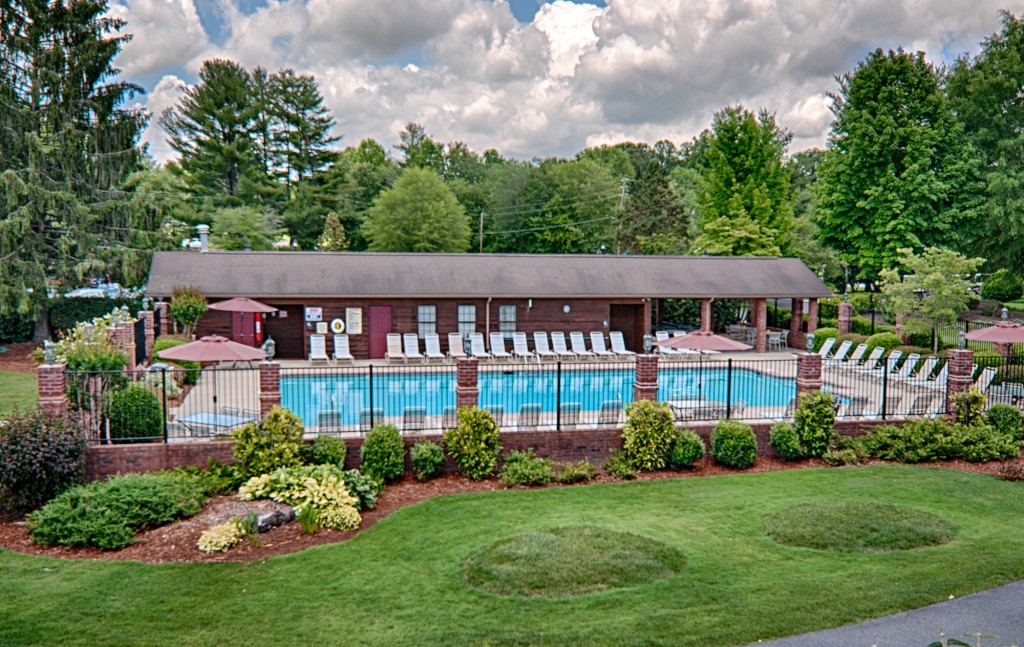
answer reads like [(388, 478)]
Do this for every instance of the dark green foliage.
[(733, 444), (648, 433), (427, 459), (66, 312), (474, 443), (1005, 419), (274, 442), (419, 214), (886, 340), (849, 450), (687, 448), (187, 306), (923, 440), (383, 453), (862, 325), (325, 450), (525, 468), (40, 457), (15, 327), (135, 414), (573, 472), (784, 440), (215, 479), (618, 465), (814, 423), (363, 487), (919, 338), (108, 514), (1002, 286)]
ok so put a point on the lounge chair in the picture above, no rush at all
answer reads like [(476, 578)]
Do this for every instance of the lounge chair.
[(394, 351), (985, 378), (558, 346), (476, 347), (924, 372), (907, 369), (618, 343), (529, 416), (411, 347), (455, 347), (329, 421), (841, 352), (579, 346), (433, 348), (497, 412), (597, 343), (413, 418), (368, 418), (826, 348), (610, 413), (521, 348), (569, 415), (921, 404), (871, 363), (854, 408), (341, 350), (857, 355), (498, 347), (939, 381), (541, 347), (318, 349), (670, 353)]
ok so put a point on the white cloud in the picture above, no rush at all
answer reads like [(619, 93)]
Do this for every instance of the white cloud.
[(166, 93), (164, 33)]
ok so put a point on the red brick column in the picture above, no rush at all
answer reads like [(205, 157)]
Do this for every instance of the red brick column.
[(796, 325), (53, 390), (707, 314), (467, 393), (270, 386), (812, 315), (759, 312), (1002, 349), (123, 338), (808, 374), (845, 318), (646, 385), (165, 316), (960, 377), (147, 316)]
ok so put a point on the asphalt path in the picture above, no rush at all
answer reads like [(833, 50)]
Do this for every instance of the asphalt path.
[(998, 611)]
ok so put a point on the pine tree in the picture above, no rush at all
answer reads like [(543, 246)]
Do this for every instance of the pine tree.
[(333, 239)]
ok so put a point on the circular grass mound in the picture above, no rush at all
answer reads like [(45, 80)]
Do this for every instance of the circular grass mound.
[(565, 562), (857, 527)]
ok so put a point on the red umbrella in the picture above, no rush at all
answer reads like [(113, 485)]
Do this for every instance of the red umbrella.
[(703, 340), (242, 304), (1004, 332), (213, 349)]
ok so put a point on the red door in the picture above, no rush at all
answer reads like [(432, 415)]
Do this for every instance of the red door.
[(380, 326), (243, 328)]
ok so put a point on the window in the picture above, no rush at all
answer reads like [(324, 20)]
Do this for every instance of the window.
[(467, 319), (426, 320), (507, 320)]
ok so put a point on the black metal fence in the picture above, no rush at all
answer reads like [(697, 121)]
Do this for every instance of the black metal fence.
[(893, 387)]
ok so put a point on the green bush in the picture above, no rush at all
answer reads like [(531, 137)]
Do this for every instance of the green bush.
[(1006, 420), (687, 448), (920, 339), (383, 453), (272, 443), (363, 487), (1002, 286), (65, 313), (320, 487), (982, 443), (525, 468), (618, 465), (40, 457), (474, 444), (886, 340), (108, 514), (919, 441), (821, 335), (187, 306), (861, 326), (427, 459), (325, 450), (16, 328), (733, 444), (648, 433), (848, 451), (784, 440), (573, 472), (215, 478), (968, 405), (135, 414), (814, 423)]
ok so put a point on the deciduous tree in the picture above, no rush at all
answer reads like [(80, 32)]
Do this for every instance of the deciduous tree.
[(419, 214)]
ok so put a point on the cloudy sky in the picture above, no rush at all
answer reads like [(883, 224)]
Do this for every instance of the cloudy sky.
[(532, 78)]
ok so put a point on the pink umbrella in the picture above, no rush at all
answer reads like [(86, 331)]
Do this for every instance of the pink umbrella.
[(703, 340), (1004, 332), (213, 349), (242, 304)]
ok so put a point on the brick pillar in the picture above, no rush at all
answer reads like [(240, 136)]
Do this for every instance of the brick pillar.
[(467, 392), (646, 385), (808, 374), (707, 314), (124, 339), (796, 325), (165, 317), (147, 316), (53, 390), (812, 315), (845, 318), (1002, 349), (759, 308), (960, 376), (270, 386)]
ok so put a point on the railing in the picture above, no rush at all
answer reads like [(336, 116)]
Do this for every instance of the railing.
[(892, 389), (708, 388)]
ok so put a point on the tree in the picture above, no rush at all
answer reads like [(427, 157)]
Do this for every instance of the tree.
[(735, 234), (303, 125), (419, 214), (896, 173), (236, 228), (933, 288), (655, 220), (68, 145), (419, 150), (985, 94), (333, 238)]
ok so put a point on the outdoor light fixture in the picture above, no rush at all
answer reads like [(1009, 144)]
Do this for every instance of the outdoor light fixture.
[(269, 347), (50, 352), (809, 341), (467, 346), (648, 343), (566, 308), (1006, 313), (125, 316), (146, 303)]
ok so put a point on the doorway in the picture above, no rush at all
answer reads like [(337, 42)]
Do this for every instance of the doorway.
[(629, 319), (380, 326)]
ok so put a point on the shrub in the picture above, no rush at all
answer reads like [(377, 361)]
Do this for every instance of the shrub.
[(427, 459), (814, 422), (1005, 419), (648, 433), (187, 306), (822, 334), (214, 479), (1002, 286), (325, 450), (920, 339), (40, 457), (66, 313), (733, 444), (861, 326), (221, 537), (886, 340), (687, 448), (474, 443), (320, 487), (16, 327), (968, 405), (161, 384), (363, 487), (784, 440), (274, 442), (618, 465), (848, 451), (573, 472), (135, 413), (915, 441), (383, 453), (525, 468), (981, 443), (108, 514)]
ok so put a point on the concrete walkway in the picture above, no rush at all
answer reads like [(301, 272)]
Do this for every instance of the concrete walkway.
[(998, 611)]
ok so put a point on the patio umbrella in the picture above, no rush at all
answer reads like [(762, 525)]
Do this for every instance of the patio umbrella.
[(1004, 332), (242, 304), (703, 340), (213, 349)]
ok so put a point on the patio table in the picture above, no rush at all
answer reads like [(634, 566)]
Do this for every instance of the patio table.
[(206, 422)]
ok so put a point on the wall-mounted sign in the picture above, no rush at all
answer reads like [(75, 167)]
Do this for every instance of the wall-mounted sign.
[(321, 327), (280, 314), (314, 314), (337, 326), (354, 320)]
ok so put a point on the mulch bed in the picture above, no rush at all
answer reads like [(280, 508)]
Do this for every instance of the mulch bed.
[(18, 358)]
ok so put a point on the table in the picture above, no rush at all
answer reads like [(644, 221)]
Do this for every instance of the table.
[(694, 408), (207, 422)]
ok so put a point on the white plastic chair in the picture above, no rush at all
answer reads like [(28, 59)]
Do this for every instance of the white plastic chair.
[(498, 346), (433, 347), (521, 348), (541, 347), (411, 347), (455, 347), (558, 345), (477, 348), (394, 351), (618, 343), (318, 349), (597, 344), (341, 349), (579, 346)]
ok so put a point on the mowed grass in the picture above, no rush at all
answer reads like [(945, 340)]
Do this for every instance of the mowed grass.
[(402, 582), (17, 390), (862, 526)]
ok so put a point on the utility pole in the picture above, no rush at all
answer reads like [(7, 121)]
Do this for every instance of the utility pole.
[(481, 231), (623, 182)]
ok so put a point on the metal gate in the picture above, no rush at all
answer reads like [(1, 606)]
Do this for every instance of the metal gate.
[(141, 351)]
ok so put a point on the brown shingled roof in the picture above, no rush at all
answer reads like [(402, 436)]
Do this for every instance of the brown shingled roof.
[(338, 274)]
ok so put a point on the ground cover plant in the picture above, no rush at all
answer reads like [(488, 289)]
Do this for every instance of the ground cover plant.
[(407, 572)]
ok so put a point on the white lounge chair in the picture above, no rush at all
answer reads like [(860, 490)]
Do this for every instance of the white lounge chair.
[(477, 348), (558, 346), (413, 418), (521, 348), (909, 364), (394, 351), (341, 349), (455, 347), (925, 372), (619, 344), (667, 353), (529, 417), (569, 415), (579, 346), (857, 355), (871, 363), (318, 349), (498, 347), (597, 344), (411, 347), (432, 344), (985, 378), (826, 348), (840, 354), (887, 366), (541, 347)]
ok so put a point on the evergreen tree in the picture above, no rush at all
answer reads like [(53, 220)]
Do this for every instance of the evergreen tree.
[(419, 150), (333, 239), (303, 134)]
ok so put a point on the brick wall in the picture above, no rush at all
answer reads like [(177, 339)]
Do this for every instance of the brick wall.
[(467, 392), (646, 385), (102, 461)]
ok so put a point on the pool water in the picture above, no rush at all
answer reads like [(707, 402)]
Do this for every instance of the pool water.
[(393, 391)]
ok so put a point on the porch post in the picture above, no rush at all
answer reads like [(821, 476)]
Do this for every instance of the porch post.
[(270, 386), (812, 315), (467, 392), (796, 324), (646, 385), (707, 315), (760, 315)]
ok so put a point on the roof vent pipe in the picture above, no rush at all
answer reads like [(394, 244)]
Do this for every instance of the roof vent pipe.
[(204, 233)]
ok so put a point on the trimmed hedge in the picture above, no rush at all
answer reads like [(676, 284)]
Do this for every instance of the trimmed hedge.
[(733, 444)]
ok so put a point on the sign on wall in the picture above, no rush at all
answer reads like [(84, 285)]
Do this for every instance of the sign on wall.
[(354, 320), (314, 314)]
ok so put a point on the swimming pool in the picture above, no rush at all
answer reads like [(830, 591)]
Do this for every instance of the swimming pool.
[(307, 394)]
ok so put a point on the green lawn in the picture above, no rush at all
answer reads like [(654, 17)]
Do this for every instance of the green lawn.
[(401, 582), (17, 389)]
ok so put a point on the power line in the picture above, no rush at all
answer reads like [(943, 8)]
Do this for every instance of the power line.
[(558, 226)]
